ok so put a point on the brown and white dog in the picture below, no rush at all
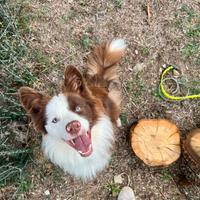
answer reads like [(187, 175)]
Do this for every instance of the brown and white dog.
[(77, 124)]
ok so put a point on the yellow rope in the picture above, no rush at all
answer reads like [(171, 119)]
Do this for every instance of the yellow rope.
[(166, 94)]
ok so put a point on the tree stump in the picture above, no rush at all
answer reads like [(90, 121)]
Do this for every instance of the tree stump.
[(156, 141), (191, 146)]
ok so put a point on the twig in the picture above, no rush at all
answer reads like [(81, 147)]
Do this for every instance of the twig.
[(149, 12)]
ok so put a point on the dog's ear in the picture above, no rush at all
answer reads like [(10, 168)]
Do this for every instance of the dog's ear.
[(34, 103), (74, 82)]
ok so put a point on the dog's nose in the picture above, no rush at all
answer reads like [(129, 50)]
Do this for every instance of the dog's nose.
[(73, 127)]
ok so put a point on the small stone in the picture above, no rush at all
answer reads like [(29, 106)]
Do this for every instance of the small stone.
[(176, 73), (136, 52), (164, 66), (7, 133), (47, 193), (139, 67), (130, 69), (53, 60), (126, 194), (118, 179)]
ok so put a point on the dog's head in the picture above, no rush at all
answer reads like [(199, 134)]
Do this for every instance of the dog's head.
[(68, 116)]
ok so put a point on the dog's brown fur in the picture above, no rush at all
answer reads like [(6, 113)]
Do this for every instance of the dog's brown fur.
[(102, 65), (92, 91), (34, 103)]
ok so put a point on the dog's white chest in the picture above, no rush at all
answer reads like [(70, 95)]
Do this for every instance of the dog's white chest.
[(61, 154)]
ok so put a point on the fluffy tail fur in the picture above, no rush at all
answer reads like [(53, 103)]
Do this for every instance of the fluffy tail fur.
[(102, 62), (102, 70)]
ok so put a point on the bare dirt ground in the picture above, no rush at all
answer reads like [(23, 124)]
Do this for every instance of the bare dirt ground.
[(64, 30)]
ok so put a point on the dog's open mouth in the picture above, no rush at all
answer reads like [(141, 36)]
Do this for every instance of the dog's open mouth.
[(82, 144)]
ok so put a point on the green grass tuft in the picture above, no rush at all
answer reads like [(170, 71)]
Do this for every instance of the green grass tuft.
[(13, 160), (71, 15), (189, 23), (86, 42), (24, 186), (113, 189), (123, 118), (135, 86), (165, 175), (118, 3), (190, 12), (193, 87), (144, 51), (14, 72), (14, 23), (190, 50), (41, 59)]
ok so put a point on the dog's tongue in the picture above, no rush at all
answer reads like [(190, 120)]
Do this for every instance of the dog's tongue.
[(83, 144)]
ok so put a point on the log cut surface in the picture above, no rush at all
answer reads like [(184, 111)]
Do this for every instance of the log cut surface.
[(156, 141), (192, 146)]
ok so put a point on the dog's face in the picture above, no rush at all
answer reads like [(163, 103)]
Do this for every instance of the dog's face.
[(68, 116)]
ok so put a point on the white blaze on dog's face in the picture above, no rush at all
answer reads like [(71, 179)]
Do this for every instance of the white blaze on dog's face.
[(68, 116)]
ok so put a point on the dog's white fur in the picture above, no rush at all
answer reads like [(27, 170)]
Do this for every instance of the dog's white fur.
[(117, 45), (58, 108), (66, 157)]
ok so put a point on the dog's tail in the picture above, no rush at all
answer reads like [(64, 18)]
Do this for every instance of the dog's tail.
[(102, 62)]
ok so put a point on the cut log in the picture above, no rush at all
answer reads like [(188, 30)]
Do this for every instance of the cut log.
[(191, 146), (156, 141)]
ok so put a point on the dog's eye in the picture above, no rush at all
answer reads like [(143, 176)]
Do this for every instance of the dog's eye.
[(55, 120), (77, 109)]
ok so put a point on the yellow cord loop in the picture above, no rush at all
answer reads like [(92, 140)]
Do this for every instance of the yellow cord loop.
[(166, 94)]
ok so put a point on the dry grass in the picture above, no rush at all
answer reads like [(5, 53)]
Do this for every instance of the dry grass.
[(157, 33)]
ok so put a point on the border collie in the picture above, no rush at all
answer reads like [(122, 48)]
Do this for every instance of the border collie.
[(77, 124)]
